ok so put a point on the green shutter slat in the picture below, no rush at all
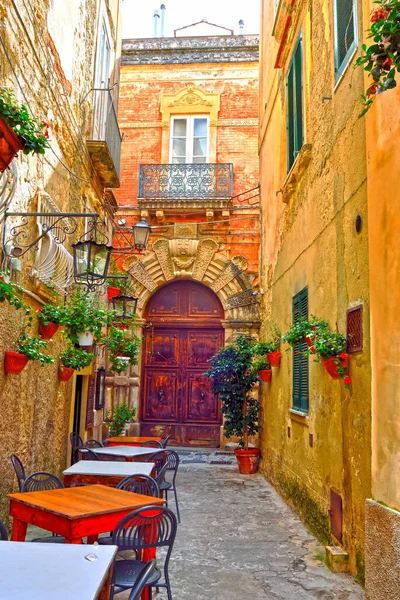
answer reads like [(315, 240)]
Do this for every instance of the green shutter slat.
[(295, 104), (290, 127), (300, 361)]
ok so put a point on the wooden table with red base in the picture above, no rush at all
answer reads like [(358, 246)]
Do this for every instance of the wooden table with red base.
[(76, 512), (124, 440)]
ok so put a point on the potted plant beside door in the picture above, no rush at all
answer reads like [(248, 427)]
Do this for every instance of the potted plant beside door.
[(123, 348), (234, 371), (119, 418), (85, 318)]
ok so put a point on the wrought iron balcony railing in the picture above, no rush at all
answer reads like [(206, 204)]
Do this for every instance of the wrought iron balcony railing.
[(206, 181), (105, 145)]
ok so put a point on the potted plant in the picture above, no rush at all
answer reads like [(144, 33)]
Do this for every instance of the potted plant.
[(234, 371), (119, 281), (123, 348), (271, 349), (11, 292), (85, 318), (50, 316), (19, 131), (72, 359), (302, 328), (331, 350), (27, 347), (121, 417)]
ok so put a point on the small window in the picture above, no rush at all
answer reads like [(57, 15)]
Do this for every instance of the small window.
[(189, 140), (345, 15), (354, 329), (295, 104), (300, 357)]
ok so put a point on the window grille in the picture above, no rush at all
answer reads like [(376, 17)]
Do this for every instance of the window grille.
[(354, 329)]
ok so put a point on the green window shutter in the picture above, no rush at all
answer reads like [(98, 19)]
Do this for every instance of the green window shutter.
[(300, 360), (345, 12), (295, 103)]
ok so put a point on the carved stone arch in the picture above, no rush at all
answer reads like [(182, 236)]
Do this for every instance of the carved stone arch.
[(196, 259)]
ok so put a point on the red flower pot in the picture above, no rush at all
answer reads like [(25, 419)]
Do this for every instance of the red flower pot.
[(248, 460), (14, 362), (331, 365), (310, 344), (274, 358), (10, 145), (47, 331), (65, 373), (112, 292), (265, 375)]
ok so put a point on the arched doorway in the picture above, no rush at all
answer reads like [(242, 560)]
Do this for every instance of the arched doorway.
[(183, 330)]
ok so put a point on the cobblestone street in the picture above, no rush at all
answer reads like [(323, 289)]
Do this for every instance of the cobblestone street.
[(239, 540)]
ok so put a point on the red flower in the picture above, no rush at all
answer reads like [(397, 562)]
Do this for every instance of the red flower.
[(46, 133), (347, 381), (379, 15), (343, 355), (387, 62), (372, 90)]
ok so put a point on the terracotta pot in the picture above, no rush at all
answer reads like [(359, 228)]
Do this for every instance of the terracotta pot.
[(274, 358), (112, 292), (332, 368), (47, 331), (14, 362), (248, 460), (10, 145), (265, 375), (310, 344), (65, 373)]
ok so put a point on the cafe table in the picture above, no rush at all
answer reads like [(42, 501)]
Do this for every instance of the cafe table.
[(128, 453), (40, 572), (125, 440), (74, 512), (104, 472)]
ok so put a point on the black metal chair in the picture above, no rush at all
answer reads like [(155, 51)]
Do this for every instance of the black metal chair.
[(145, 575), (84, 453), (3, 532), (146, 527), (39, 482), (19, 470), (93, 444), (138, 484), (170, 459), (151, 444), (165, 441), (75, 440)]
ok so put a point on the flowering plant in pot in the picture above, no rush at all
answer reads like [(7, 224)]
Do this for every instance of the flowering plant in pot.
[(10, 292), (381, 59), (271, 349), (73, 359), (85, 318), (27, 347), (302, 328), (331, 349), (18, 130), (234, 371), (117, 419), (123, 348), (50, 316)]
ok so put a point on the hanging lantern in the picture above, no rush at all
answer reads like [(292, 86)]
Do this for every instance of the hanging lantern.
[(141, 233), (125, 306), (91, 261)]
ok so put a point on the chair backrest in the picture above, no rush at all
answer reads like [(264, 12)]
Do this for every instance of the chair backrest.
[(152, 444), (3, 532), (159, 459), (84, 453), (75, 440), (19, 470), (146, 527), (165, 441), (40, 481), (142, 579), (93, 444), (160, 475), (165, 457), (172, 460), (140, 484)]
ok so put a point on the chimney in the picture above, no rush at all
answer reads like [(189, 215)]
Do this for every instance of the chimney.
[(162, 7), (241, 27), (156, 18)]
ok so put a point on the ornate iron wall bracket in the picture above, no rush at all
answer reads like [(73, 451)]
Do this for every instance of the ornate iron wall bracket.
[(16, 237)]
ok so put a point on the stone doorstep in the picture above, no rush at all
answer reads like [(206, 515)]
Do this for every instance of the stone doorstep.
[(337, 559)]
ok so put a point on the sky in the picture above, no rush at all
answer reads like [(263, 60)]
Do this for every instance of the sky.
[(138, 15)]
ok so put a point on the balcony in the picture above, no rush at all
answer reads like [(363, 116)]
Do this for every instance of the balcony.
[(194, 185), (105, 146)]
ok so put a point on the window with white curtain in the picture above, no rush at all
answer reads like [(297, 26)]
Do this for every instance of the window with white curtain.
[(189, 141)]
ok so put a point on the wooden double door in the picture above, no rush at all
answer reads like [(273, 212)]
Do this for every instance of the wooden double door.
[(183, 331)]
